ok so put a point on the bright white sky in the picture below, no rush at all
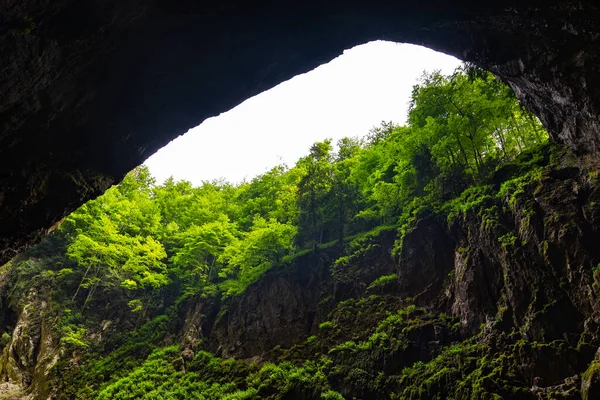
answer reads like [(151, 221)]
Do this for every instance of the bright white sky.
[(346, 97)]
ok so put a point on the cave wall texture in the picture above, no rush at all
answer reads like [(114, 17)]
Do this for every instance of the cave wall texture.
[(89, 89)]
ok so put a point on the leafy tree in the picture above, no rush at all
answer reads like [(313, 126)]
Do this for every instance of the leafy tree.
[(264, 246), (199, 247), (270, 195), (110, 239), (346, 189), (313, 192)]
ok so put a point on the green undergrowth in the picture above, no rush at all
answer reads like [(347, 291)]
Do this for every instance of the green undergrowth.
[(515, 177), (383, 281), (166, 375), (359, 350), (387, 362), (366, 343), (357, 246), (501, 190), (379, 357), (475, 369), (82, 382)]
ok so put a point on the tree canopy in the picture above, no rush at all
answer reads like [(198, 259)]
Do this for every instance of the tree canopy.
[(140, 236)]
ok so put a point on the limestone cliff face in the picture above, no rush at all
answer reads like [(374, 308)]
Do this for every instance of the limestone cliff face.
[(536, 266), (287, 305), (530, 259), (30, 353), (518, 267), (278, 310)]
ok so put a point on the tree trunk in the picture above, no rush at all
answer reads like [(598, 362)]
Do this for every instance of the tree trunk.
[(81, 283)]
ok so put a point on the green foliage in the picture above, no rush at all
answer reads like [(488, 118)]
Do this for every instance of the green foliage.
[(471, 199), (471, 122), (422, 380), (331, 395), (73, 337), (262, 247), (358, 245), (200, 246), (5, 339), (593, 371), (417, 209), (383, 280), (162, 376), (508, 240), (369, 364), (325, 325), (135, 305), (64, 272)]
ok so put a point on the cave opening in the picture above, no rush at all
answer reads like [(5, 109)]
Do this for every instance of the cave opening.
[(454, 256), (347, 97)]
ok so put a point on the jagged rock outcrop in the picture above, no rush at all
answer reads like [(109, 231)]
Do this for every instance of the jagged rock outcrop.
[(30, 354), (513, 276), (275, 311), (287, 304), (196, 320), (90, 89), (590, 381), (534, 266)]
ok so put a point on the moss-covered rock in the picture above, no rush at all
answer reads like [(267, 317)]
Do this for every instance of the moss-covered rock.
[(590, 381)]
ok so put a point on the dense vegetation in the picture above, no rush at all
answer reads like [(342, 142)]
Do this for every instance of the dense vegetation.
[(147, 248)]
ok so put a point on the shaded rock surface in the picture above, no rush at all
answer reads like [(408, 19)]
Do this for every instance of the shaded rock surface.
[(27, 359), (590, 382), (276, 311), (518, 273)]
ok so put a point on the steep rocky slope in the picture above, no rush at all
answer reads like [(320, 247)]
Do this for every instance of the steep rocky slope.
[(492, 295), (511, 271)]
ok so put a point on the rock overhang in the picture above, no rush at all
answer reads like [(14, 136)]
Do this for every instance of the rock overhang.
[(91, 89)]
